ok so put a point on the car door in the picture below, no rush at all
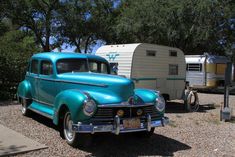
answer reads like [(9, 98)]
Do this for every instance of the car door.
[(46, 84), (32, 77)]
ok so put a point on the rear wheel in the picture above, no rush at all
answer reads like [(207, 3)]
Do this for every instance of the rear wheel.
[(145, 134), (73, 138)]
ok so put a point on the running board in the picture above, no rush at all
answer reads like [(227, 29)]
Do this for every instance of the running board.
[(42, 109)]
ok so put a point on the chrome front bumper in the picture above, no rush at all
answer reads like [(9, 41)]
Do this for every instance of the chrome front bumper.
[(117, 127)]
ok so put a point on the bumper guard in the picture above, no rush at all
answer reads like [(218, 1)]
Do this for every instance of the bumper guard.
[(117, 127)]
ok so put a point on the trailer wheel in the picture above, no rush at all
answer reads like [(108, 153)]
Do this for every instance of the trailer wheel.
[(191, 103)]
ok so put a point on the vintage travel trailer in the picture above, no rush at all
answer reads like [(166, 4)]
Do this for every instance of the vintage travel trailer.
[(149, 66), (205, 71)]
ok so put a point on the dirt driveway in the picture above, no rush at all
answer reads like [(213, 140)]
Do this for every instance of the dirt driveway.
[(188, 134)]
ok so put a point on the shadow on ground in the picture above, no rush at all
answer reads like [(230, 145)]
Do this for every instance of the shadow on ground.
[(178, 107), (125, 144), (43, 120), (133, 146)]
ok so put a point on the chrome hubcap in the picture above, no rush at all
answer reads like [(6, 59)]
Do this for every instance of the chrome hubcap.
[(69, 133)]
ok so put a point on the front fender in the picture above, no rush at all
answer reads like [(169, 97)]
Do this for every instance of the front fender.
[(24, 90), (73, 99)]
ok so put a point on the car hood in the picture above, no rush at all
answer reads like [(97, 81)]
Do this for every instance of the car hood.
[(103, 88)]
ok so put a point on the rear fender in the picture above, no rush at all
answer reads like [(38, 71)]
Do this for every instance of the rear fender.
[(24, 90)]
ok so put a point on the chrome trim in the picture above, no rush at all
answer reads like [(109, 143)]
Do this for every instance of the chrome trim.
[(125, 105), (73, 82), (116, 125), (83, 83), (41, 113), (23, 97), (117, 128), (148, 122)]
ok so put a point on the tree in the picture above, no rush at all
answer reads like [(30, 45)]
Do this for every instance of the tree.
[(85, 22), (15, 50), (104, 17), (35, 15), (192, 26), (75, 28)]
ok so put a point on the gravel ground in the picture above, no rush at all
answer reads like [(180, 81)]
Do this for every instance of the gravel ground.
[(188, 134)]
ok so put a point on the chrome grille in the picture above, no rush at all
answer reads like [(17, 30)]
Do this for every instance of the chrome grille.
[(105, 114), (152, 111)]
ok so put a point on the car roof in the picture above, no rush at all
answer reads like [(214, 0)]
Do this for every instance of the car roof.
[(54, 56)]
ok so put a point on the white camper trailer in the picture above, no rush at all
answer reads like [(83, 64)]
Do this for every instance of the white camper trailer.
[(149, 66), (205, 71)]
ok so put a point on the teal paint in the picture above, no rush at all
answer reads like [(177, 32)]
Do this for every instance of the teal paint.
[(50, 93), (48, 110), (112, 55)]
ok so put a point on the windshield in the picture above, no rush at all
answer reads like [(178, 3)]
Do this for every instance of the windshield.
[(81, 65)]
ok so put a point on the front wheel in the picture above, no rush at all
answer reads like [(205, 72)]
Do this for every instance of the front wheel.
[(72, 138)]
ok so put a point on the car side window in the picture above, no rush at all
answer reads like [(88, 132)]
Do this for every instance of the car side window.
[(46, 68), (34, 66), (93, 67)]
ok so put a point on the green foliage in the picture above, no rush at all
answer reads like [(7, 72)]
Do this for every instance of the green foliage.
[(85, 22), (15, 50), (37, 16), (193, 26), (76, 27)]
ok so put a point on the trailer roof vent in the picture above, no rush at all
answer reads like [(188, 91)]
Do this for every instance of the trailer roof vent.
[(173, 53), (151, 53)]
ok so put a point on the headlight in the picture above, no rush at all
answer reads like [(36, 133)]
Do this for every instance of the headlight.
[(160, 103), (89, 107)]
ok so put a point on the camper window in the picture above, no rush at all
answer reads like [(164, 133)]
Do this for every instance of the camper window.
[(150, 53), (194, 67), (173, 69), (173, 53), (220, 69)]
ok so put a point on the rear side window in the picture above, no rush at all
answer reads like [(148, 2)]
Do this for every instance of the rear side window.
[(46, 68), (34, 66), (98, 67)]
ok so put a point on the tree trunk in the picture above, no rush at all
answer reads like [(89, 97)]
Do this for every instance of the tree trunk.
[(77, 44), (48, 32), (87, 43)]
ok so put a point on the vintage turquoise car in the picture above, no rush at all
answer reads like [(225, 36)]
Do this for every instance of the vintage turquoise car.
[(80, 95)]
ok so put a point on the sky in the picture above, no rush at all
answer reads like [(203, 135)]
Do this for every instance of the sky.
[(70, 48)]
